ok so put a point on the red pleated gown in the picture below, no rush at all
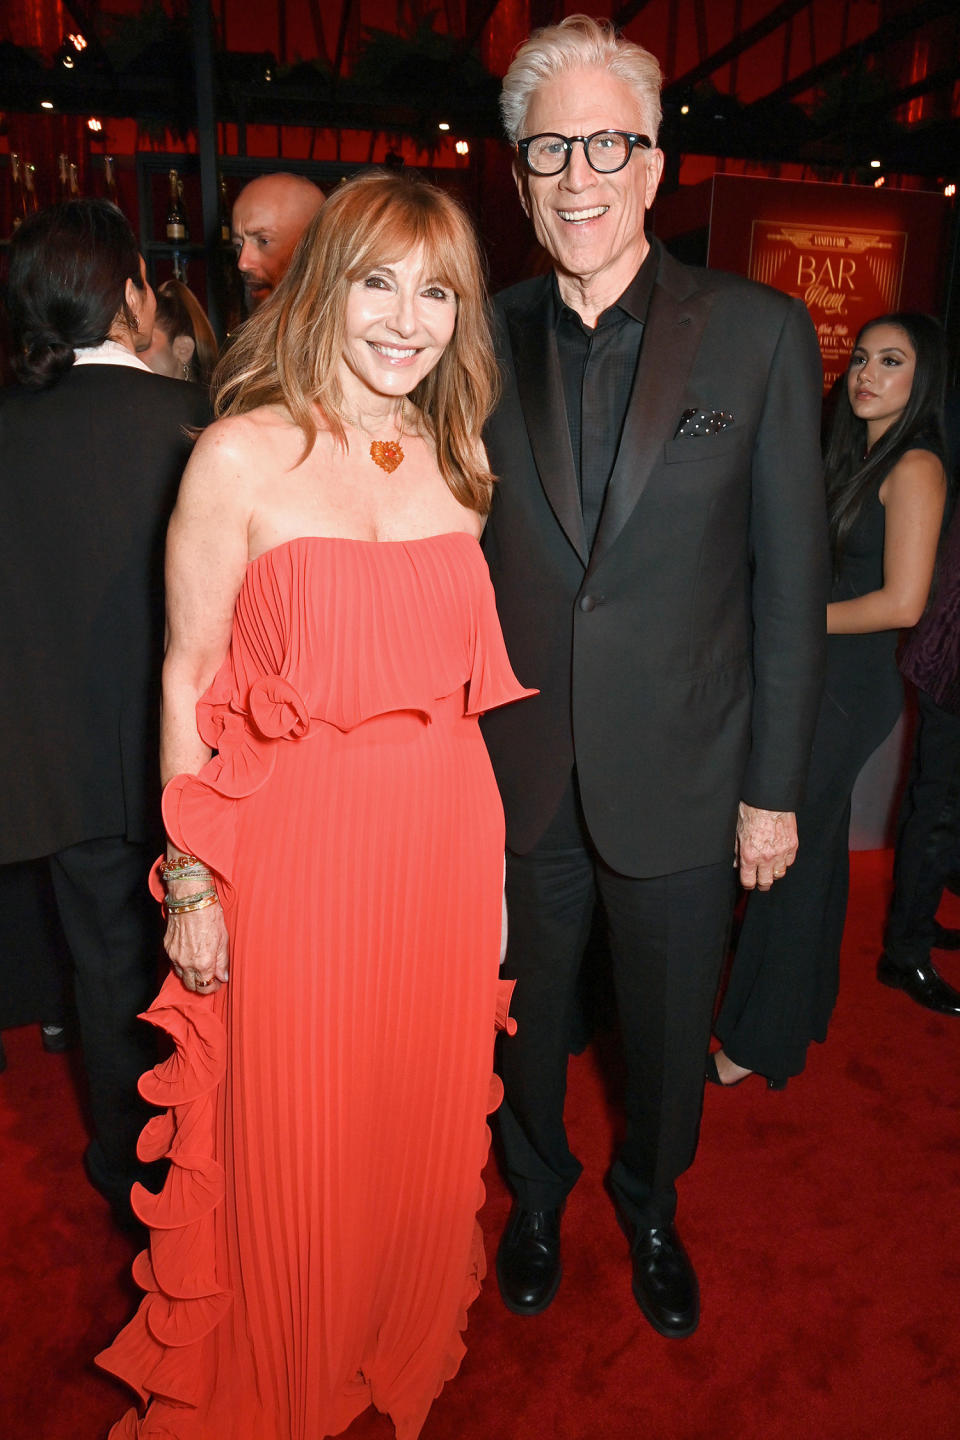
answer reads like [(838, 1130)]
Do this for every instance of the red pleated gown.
[(315, 1246)]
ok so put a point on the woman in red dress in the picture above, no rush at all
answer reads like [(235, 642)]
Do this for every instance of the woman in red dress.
[(334, 873)]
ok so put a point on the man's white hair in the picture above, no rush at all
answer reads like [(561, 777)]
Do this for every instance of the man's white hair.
[(578, 43)]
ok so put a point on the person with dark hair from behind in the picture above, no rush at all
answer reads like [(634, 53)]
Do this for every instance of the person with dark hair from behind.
[(184, 346), (928, 828), (93, 445), (886, 491)]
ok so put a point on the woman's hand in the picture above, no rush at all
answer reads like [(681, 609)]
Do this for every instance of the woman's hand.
[(198, 948)]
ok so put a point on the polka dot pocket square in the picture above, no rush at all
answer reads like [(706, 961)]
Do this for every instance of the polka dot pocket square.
[(703, 422)]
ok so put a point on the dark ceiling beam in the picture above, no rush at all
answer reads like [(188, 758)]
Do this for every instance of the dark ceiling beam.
[(700, 20), (745, 41), (887, 104), (887, 34), (342, 38), (628, 12), (478, 17), (316, 20), (85, 13)]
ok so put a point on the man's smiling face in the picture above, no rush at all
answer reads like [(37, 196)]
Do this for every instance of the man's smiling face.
[(591, 224)]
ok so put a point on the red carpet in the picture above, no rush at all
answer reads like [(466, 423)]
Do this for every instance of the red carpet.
[(822, 1221)]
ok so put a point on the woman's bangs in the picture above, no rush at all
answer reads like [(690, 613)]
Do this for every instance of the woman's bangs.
[(402, 231)]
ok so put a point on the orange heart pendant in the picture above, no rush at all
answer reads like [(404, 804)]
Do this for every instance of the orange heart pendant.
[(387, 454)]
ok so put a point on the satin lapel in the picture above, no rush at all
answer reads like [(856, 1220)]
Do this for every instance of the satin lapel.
[(540, 388), (675, 321)]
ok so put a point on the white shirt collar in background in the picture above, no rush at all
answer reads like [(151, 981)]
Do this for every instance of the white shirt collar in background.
[(111, 352)]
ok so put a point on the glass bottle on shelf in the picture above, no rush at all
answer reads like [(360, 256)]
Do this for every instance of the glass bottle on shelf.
[(110, 180), (176, 219), (177, 226), (28, 172), (226, 227), (183, 209), (19, 208)]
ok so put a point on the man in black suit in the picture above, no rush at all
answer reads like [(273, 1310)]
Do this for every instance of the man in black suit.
[(657, 544)]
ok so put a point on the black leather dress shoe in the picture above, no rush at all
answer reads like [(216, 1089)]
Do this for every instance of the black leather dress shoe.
[(664, 1284), (945, 939), (58, 1039), (528, 1260), (922, 983)]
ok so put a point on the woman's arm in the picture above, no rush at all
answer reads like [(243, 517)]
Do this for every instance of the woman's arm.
[(913, 496), (207, 548)]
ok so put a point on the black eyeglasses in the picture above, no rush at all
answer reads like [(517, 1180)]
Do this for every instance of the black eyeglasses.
[(606, 150)]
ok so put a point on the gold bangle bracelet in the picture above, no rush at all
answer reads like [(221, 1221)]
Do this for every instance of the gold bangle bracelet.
[(194, 905)]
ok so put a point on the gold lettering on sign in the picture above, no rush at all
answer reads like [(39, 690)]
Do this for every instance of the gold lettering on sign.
[(843, 275), (826, 286)]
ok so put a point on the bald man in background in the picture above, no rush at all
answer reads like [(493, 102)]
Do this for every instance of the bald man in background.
[(269, 216)]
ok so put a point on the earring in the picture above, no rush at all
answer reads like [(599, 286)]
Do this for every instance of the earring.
[(186, 371)]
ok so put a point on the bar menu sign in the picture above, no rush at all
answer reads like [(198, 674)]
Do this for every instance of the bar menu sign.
[(844, 276)]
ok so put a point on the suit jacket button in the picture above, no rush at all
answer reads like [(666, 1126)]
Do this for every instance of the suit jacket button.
[(588, 602)]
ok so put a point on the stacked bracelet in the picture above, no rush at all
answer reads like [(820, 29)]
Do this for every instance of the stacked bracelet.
[(192, 902), (183, 867), (176, 902)]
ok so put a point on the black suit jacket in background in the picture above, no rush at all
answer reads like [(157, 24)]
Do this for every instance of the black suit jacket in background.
[(680, 662), (89, 471)]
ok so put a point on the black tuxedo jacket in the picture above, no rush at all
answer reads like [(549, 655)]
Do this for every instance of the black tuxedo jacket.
[(88, 475), (679, 662)]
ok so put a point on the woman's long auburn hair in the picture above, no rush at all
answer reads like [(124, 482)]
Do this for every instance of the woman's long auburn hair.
[(288, 351)]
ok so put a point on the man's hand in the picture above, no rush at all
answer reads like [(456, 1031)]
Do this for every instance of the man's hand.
[(766, 845)]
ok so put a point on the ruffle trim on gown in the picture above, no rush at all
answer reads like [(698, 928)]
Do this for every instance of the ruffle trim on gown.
[(166, 1350), (477, 1266), (199, 811)]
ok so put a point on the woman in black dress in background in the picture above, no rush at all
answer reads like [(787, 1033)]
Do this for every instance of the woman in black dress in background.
[(886, 489)]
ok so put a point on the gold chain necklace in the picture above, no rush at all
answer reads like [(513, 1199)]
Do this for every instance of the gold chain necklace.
[(388, 454)]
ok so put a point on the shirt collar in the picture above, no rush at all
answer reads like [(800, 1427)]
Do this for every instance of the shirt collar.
[(111, 352), (635, 300)]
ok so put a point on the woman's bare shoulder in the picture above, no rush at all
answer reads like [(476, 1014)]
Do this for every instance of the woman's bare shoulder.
[(916, 469), (239, 435)]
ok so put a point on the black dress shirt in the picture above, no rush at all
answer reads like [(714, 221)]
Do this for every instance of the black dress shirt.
[(597, 369)]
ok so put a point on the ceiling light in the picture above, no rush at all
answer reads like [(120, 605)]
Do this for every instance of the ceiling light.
[(94, 124), (950, 190), (443, 125), (684, 109), (875, 164), (46, 104), (462, 147), (880, 180)]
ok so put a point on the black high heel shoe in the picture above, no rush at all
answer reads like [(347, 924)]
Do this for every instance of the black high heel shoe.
[(712, 1074)]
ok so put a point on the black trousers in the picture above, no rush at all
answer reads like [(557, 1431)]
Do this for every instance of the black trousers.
[(927, 833), (667, 938), (112, 928)]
